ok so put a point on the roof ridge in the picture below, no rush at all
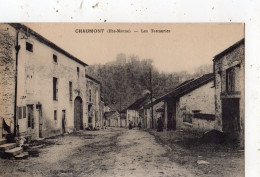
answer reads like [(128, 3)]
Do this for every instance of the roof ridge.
[(46, 41)]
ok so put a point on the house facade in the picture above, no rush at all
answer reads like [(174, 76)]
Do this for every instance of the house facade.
[(229, 68), (123, 121), (134, 113), (94, 107), (49, 96), (195, 110), (190, 106), (113, 118), (158, 112)]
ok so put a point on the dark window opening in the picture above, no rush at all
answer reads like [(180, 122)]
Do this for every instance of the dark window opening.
[(90, 119), (19, 112), (24, 111), (204, 116), (32, 122), (187, 118), (230, 80), (55, 59), (55, 88), (89, 95), (29, 119), (29, 47), (78, 71), (30, 116), (70, 90), (55, 114)]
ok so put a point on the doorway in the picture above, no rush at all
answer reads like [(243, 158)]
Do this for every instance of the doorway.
[(230, 117), (78, 114), (63, 121), (39, 109)]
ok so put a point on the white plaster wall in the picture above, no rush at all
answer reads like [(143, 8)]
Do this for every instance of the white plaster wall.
[(40, 66), (202, 98)]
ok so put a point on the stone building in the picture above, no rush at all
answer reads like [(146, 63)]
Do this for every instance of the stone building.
[(95, 113), (113, 118), (50, 94), (134, 112), (229, 68), (158, 112), (190, 106), (123, 120)]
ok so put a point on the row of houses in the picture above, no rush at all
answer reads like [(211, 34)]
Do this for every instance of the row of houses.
[(45, 90), (212, 101)]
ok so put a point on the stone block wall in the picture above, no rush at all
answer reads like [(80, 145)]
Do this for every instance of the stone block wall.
[(202, 100), (233, 59), (7, 75)]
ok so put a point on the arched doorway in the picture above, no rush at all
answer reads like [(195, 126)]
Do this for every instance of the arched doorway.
[(78, 113)]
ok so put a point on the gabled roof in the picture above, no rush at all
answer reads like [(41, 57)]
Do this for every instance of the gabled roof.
[(45, 41), (93, 79), (185, 88), (230, 49), (108, 114), (123, 111), (138, 103)]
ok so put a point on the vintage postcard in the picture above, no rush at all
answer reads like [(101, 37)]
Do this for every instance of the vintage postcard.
[(122, 99)]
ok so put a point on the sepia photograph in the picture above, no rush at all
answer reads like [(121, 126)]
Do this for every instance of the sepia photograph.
[(122, 99)]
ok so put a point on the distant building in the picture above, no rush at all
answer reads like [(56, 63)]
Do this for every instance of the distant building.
[(112, 118), (51, 93), (158, 112), (189, 106), (123, 121), (134, 112), (93, 88), (229, 68)]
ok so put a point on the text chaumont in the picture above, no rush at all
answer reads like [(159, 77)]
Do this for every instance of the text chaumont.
[(89, 30)]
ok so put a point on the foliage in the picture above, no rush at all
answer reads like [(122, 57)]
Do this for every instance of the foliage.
[(127, 78)]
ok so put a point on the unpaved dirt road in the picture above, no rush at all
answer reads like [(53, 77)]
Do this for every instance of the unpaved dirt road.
[(109, 152)]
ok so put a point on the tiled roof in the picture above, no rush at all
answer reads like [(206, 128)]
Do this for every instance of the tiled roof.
[(230, 49), (108, 114), (138, 103), (93, 79), (185, 88)]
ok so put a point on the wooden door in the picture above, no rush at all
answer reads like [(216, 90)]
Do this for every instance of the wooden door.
[(230, 117), (78, 114)]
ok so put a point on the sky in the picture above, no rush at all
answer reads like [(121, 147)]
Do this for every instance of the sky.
[(185, 47)]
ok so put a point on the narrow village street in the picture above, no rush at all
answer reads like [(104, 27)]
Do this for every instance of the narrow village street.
[(109, 152)]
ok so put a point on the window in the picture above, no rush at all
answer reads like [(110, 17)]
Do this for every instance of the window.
[(55, 59), (19, 112), (29, 47), (29, 119), (30, 116), (187, 118), (230, 80), (78, 71), (89, 95), (90, 119), (24, 111), (55, 114), (70, 90), (55, 88)]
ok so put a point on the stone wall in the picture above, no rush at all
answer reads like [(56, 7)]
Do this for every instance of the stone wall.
[(7, 75), (200, 100), (93, 88), (236, 59)]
